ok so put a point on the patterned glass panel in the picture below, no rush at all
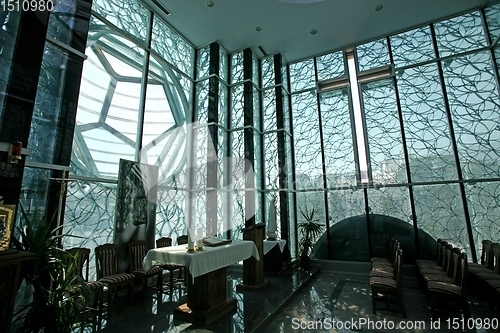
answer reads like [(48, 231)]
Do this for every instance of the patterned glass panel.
[(493, 19), (203, 62), (157, 115), (483, 201), (473, 97), (236, 67), (269, 110), (337, 139), (255, 70), (426, 125), (286, 108), (268, 77), (127, 15), (89, 215), (390, 215), (460, 34), (257, 113), (34, 194), (172, 47), (108, 107), (412, 47), (384, 133), (308, 164), (373, 55), (62, 20), (49, 103), (302, 75), (347, 219), (271, 166), (440, 213), (284, 74), (330, 66), (223, 66), (390, 201), (237, 104), (170, 212), (9, 28), (223, 105), (202, 101), (162, 139), (238, 184)]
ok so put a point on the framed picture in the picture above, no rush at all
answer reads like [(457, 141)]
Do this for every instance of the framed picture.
[(6, 225)]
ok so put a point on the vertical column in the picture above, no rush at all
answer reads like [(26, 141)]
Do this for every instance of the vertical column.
[(20, 97), (253, 270), (281, 136), (212, 146), (248, 92)]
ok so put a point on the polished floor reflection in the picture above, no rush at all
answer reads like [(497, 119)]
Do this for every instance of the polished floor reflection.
[(298, 302), (153, 312)]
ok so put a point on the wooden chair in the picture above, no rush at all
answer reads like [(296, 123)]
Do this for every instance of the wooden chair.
[(484, 265), (390, 253), (388, 289), (452, 269), (77, 260), (445, 296), (440, 248), (386, 269), (106, 256), (489, 280), (183, 239), (165, 242), (136, 252)]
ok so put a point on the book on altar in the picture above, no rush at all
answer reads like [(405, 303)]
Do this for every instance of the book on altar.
[(215, 241)]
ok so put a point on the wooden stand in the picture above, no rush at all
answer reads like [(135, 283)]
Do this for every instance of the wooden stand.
[(273, 261), (206, 299), (12, 264), (253, 269)]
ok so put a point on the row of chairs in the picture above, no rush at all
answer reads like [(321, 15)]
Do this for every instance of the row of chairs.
[(386, 277), (486, 274), (445, 280), (108, 274)]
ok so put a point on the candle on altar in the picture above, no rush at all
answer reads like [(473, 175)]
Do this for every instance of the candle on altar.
[(190, 240), (199, 237)]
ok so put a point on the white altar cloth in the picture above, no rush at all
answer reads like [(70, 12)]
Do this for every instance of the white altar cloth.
[(202, 262), (268, 245)]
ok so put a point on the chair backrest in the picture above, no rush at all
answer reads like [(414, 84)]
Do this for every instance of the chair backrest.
[(455, 264), (106, 256), (136, 253), (464, 272), (393, 257), (182, 239), (442, 253), (398, 268), (447, 262), (79, 257), (495, 257), (164, 242), (485, 250)]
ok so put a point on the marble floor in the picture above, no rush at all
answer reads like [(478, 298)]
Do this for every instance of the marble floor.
[(316, 301)]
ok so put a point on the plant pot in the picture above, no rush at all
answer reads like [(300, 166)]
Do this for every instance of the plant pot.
[(304, 262)]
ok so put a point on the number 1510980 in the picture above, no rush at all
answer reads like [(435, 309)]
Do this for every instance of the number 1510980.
[(27, 5)]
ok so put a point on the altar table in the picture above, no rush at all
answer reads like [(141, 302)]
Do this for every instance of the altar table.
[(206, 297), (274, 257)]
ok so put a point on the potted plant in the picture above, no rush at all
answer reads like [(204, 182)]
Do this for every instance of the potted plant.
[(53, 307), (309, 232)]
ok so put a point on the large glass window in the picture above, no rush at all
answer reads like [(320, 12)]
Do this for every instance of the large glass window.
[(429, 129)]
